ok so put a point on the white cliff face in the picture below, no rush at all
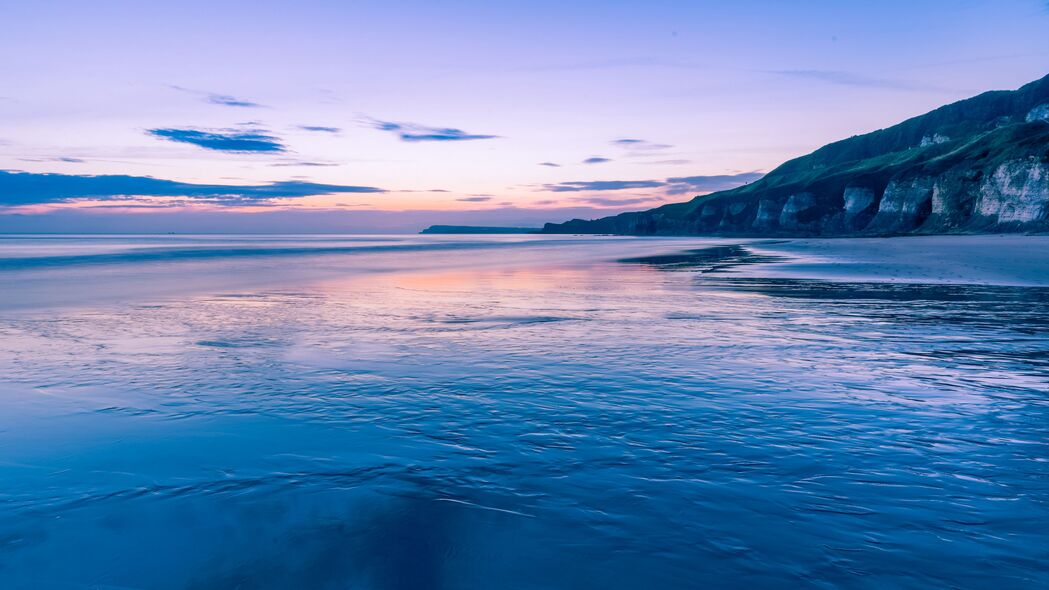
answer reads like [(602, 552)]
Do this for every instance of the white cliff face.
[(731, 212), (768, 213), (939, 199), (1038, 113), (857, 200), (1017, 192), (905, 197), (788, 217), (902, 204), (710, 209)]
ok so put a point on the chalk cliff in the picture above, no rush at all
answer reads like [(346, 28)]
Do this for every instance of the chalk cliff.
[(978, 165)]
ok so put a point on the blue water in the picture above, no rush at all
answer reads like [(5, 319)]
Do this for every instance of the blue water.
[(509, 412)]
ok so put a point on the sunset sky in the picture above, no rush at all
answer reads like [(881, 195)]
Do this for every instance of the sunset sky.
[(389, 116)]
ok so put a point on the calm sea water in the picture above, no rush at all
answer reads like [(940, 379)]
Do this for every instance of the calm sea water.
[(509, 412)]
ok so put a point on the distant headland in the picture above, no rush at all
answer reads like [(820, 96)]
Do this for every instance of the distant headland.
[(475, 229)]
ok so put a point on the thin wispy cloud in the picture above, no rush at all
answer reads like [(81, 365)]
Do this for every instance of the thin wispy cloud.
[(673, 186), (133, 205), (634, 144), (616, 63), (220, 99), (707, 184), (474, 199), (842, 78), (596, 160), (29, 188), (304, 164), (235, 141), (613, 201), (601, 185), (414, 132), (230, 101), (63, 159), (550, 164), (669, 162), (320, 129)]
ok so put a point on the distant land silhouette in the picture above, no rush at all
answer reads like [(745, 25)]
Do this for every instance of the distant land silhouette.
[(474, 229)]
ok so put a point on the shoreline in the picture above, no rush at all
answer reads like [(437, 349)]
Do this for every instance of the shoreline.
[(989, 259)]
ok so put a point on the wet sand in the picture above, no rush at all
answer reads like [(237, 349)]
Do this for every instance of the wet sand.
[(1014, 260), (524, 413)]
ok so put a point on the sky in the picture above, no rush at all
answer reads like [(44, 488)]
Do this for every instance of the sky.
[(346, 116)]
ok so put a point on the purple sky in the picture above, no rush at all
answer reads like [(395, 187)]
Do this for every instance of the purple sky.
[(389, 116)]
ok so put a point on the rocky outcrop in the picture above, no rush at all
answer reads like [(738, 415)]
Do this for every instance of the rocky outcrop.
[(861, 204), (934, 139), (1015, 194), (768, 215), (904, 206), (799, 212), (1038, 113), (979, 165)]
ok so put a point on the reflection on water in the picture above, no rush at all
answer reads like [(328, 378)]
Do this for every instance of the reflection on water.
[(445, 420)]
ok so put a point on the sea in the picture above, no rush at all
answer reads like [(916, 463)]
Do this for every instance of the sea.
[(513, 412)]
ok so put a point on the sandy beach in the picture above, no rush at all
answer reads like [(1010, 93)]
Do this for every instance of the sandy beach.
[(1017, 260), (539, 411)]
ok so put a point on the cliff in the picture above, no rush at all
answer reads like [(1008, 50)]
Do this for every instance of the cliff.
[(977, 165)]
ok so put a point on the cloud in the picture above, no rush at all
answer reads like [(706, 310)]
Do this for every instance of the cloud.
[(132, 205), (303, 163), (474, 199), (602, 185), (413, 132), (640, 144), (615, 63), (706, 184), (669, 162), (319, 129), (229, 101), (28, 188), (673, 186), (841, 78), (220, 99), (596, 160), (614, 202), (550, 164), (64, 159), (223, 140)]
